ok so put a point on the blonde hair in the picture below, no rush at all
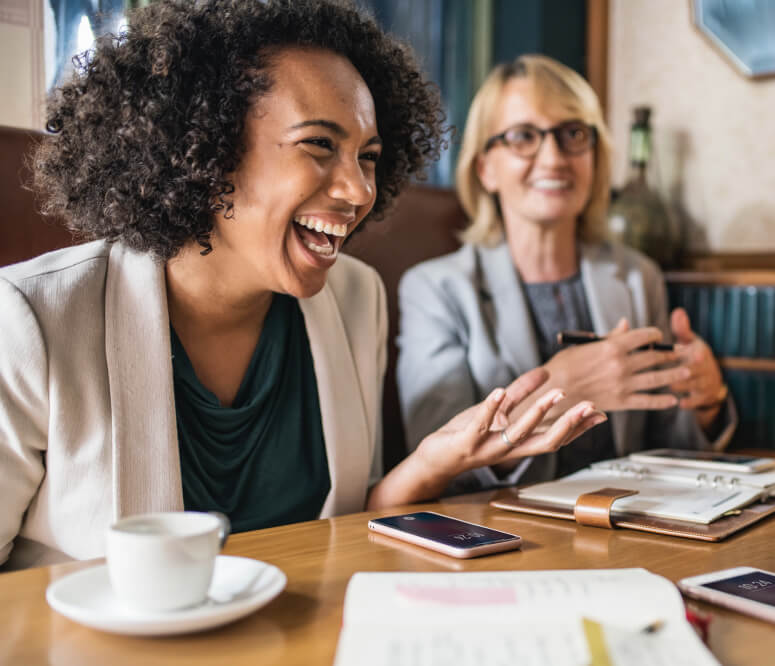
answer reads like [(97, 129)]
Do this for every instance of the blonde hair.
[(557, 84)]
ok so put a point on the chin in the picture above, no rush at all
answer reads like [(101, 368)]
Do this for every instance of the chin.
[(307, 288)]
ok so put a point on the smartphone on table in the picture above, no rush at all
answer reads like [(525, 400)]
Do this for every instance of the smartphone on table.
[(727, 462), (444, 534), (744, 589)]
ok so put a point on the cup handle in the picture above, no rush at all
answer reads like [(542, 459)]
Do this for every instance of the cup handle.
[(225, 529)]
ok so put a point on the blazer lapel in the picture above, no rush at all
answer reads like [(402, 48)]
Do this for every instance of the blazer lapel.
[(509, 314), (146, 461), (607, 293), (609, 300), (341, 404)]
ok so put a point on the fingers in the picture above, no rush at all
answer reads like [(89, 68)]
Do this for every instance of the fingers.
[(577, 419), (524, 385), (622, 326), (643, 360), (525, 425), (704, 381), (639, 337), (485, 412), (650, 401), (681, 326), (647, 381), (581, 417)]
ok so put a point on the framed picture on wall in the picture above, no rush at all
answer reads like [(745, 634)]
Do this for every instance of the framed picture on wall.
[(743, 32)]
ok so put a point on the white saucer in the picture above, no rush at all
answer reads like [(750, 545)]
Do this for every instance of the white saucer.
[(240, 586)]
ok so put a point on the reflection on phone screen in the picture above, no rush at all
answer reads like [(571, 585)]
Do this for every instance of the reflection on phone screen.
[(756, 586), (443, 529)]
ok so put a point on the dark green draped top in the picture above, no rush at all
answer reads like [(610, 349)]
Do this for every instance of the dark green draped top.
[(261, 461)]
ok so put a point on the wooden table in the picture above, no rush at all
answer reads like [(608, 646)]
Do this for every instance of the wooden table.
[(302, 625)]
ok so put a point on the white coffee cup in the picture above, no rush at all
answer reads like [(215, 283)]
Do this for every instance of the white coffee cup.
[(164, 561)]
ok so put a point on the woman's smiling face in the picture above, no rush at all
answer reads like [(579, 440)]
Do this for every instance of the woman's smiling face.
[(307, 178), (550, 189)]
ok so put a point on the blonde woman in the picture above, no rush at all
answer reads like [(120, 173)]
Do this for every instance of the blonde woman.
[(533, 176)]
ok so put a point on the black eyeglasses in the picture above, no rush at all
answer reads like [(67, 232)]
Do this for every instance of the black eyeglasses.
[(572, 137)]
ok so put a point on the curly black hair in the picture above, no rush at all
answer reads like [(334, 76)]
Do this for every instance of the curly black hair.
[(151, 124)]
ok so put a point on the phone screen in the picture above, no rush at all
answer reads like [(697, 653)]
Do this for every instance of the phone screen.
[(755, 585), (442, 529)]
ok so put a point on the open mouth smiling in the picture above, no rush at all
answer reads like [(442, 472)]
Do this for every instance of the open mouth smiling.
[(318, 236)]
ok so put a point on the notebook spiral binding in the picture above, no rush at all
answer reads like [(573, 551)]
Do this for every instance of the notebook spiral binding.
[(702, 480)]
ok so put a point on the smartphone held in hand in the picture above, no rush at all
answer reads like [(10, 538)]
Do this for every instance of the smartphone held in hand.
[(744, 589), (453, 537)]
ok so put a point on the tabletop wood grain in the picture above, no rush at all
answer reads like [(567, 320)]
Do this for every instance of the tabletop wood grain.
[(301, 626)]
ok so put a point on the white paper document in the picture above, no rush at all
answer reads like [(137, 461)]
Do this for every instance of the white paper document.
[(674, 493), (526, 618)]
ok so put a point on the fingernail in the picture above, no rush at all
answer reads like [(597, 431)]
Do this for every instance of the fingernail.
[(497, 394), (600, 418), (559, 397), (588, 410), (686, 373)]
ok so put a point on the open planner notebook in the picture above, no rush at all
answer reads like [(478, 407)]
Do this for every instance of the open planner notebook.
[(529, 618), (703, 504)]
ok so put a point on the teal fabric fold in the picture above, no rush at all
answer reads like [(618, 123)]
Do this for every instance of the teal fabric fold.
[(262, 461)]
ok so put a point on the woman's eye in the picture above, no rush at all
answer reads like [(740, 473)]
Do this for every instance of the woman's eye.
[(522, 136), (320, 142), (370, 156)]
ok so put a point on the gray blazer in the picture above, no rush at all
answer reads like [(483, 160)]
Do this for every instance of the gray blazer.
[(465, 329)]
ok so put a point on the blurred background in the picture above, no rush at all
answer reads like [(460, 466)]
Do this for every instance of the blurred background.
[(699, 196)]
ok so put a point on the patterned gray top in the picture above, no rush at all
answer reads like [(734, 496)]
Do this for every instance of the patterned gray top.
[(559, 306)]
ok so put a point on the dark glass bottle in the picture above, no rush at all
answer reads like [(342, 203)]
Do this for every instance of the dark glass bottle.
[(638, 216)]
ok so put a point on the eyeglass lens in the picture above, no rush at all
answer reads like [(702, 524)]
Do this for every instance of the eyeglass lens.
[(572, 137)]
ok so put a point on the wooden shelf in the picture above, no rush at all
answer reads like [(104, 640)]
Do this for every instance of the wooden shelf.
[(748, 364), (756, 277)]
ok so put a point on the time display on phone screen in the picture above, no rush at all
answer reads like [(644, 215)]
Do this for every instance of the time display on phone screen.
[(756, 586), (445, 530)]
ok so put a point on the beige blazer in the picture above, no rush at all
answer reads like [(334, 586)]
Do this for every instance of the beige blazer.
[(466, 328), (87, 414)]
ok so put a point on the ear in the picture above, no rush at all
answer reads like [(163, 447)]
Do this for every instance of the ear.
[(486, 172)]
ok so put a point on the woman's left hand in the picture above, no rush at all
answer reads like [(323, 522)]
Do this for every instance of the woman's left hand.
[(482, 435), (704, 390)]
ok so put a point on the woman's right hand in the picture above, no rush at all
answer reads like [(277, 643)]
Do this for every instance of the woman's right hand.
[(615, 375)]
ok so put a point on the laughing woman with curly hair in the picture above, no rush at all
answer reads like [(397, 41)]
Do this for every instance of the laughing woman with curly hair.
[(210, 349)]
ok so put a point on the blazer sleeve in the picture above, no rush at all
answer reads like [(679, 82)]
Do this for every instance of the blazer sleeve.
[(24, 410), (679, 426), (433, 375)]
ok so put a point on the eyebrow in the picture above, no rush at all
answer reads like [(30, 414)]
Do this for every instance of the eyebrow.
[(336, 128)]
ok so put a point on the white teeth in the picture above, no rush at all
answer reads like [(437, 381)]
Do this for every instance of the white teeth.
[(551, 184), (325, 250), (318, 225)]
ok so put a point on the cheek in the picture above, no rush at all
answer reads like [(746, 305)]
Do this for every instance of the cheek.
[(586, 171), (507, 173)]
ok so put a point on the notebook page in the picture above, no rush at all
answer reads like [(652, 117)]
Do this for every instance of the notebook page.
[(532, 617), (511, 597), (688, 475), (558, 644), (656, 497)]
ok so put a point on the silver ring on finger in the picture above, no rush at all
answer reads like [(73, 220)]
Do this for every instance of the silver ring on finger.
[(506, 439)]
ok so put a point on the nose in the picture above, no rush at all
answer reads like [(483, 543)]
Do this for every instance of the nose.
[(549, 151), (349, 183)]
